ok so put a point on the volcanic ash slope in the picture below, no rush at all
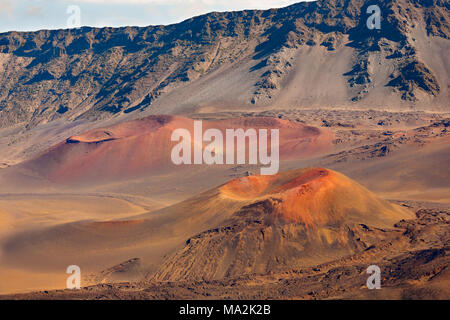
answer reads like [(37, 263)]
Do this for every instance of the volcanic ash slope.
[(295, 219)]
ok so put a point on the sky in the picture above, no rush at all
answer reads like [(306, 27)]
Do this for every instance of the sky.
[(31, 15)]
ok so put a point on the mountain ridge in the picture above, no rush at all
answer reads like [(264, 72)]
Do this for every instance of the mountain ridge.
[(92, 74)]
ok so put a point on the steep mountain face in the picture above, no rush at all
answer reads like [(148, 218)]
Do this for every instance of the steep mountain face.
[(308, 54)]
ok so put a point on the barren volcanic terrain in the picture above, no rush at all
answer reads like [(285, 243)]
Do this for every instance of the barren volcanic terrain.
[(295, 226), (87, 179)]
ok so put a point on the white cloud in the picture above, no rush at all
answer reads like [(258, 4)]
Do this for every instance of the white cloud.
[(6, 8), (208, 2), (256, 4), (26, 15)]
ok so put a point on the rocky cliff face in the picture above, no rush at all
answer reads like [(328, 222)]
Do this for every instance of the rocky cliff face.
[(91, 73)]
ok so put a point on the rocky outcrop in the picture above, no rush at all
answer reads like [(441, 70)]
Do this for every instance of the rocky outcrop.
[(91, 73)]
